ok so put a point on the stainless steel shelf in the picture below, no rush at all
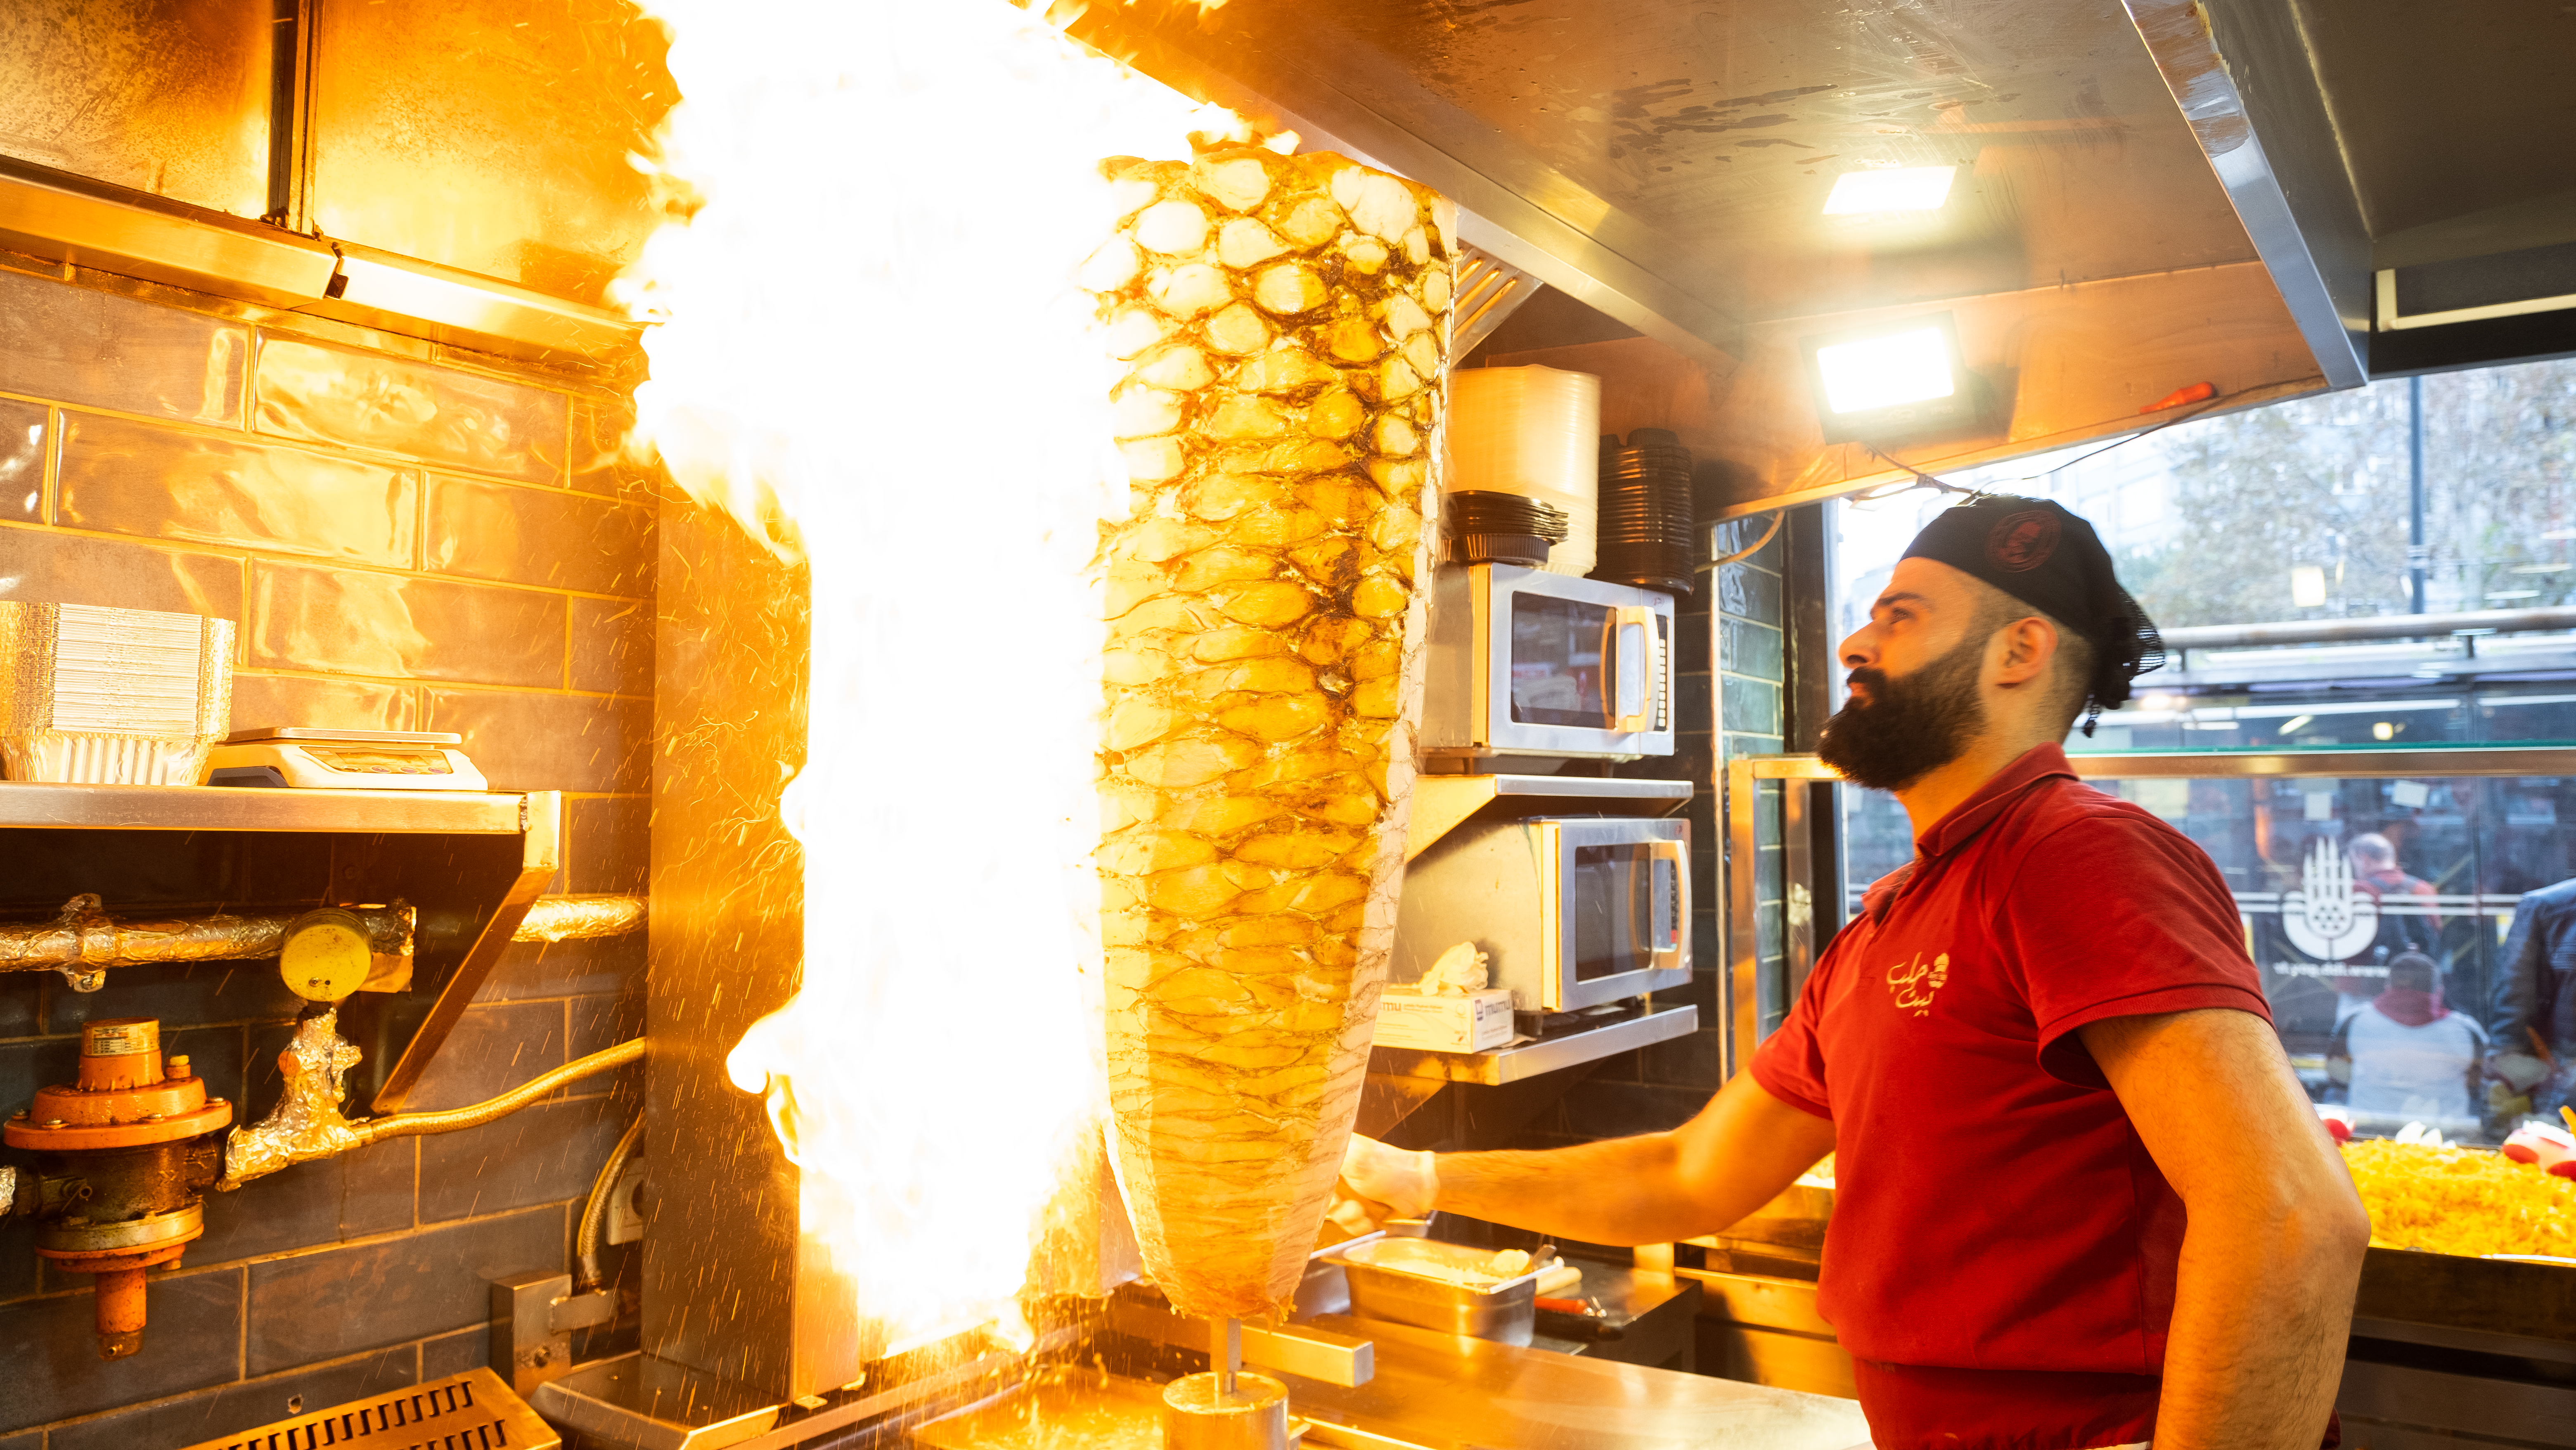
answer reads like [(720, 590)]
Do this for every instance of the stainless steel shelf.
[(226, 808), (1441, 802), (1511, 1064)]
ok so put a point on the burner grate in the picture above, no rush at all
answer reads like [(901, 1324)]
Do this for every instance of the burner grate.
[(470, 1411)]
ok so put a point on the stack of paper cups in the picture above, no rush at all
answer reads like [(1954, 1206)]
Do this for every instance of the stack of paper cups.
[(1536, 432)]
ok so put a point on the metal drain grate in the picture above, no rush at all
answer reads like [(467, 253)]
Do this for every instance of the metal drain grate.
[(471, 1411)]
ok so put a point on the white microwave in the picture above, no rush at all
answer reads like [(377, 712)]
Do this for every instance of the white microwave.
[(1573, 911), (1524, 662)]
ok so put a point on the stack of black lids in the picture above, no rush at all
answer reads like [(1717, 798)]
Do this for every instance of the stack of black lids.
[(1645, 530), (1489, 527)]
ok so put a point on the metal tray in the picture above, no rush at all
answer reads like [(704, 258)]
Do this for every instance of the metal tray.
[(1506, 1313)]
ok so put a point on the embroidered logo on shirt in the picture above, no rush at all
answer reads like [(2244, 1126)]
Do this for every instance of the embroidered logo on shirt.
[(1914, 982), (2326, 917)]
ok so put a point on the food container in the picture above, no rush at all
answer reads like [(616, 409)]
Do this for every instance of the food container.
[(1531, 431), (98, 696), (1502, 1310)]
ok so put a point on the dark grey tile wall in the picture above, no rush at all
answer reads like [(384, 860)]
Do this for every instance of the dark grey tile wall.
[(86, 346), (361, 1296), (1730, 704), (191, 1418), (408, 538), (397, 406), (118, 475), (22, 461), (193, 1342)]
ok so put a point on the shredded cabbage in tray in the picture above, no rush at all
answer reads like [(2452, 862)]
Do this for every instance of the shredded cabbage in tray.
[(2461, 1200)]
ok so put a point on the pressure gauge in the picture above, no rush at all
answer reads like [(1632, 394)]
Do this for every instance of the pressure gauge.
[(327, 954)]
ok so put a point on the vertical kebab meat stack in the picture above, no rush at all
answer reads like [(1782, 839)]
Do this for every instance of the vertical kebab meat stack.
[(1284, 322)]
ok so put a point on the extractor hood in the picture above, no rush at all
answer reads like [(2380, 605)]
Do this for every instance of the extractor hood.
[(2143, 197), (2268, 196)]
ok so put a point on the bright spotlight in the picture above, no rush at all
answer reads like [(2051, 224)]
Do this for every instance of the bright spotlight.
[(1909, 188), (1902, 367), (1898, 379)]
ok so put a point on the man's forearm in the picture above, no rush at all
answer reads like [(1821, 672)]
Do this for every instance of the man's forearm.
[(1734, 1157), (2255, 1352), (1623, 1191)]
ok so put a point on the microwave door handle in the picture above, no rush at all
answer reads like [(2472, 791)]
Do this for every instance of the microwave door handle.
[(1649, 697), (1677, 852)]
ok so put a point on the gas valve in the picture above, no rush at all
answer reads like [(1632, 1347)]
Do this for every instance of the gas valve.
[(124, 1157)]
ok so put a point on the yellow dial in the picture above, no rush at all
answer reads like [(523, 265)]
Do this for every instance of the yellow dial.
[(327, 955)]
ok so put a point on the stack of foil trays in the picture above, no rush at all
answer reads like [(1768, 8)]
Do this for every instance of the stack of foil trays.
[(103, 696)]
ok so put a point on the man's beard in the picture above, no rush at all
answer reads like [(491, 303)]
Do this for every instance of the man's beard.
[(1910, 725)]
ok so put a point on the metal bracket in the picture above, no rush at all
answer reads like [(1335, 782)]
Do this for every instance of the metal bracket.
[(533, 1317), (1298, 1349)]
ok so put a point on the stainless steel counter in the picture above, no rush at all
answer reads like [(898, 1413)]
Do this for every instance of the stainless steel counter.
[(1434, 1390)]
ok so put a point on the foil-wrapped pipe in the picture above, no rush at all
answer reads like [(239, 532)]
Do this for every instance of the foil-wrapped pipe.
[(307, 1123), (84, 935), (571, 918), (85, 938)]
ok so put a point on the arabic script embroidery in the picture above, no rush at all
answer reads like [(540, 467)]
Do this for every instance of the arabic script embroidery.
[(1914, 982)]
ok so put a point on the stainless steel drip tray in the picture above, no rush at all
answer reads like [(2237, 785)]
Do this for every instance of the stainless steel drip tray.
[(639, 1402), (1060, 1409)]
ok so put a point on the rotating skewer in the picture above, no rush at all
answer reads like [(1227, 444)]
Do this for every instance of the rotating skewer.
[(1227, 1408), (1225, 1354)]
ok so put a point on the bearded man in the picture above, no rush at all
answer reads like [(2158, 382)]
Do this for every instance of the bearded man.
[(2081, 1200)]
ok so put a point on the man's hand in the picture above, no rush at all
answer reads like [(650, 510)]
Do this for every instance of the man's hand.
[(1388, 1182), (2272, 1252)]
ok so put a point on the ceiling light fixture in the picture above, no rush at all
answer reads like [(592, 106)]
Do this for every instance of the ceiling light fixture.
[(1902, 367), (1894, 380), (1906, 188)]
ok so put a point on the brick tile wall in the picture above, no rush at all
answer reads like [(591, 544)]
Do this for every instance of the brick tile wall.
[(408, 537), (1661, 1086)]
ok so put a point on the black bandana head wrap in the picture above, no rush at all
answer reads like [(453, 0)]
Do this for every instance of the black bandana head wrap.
[(2051, 560)]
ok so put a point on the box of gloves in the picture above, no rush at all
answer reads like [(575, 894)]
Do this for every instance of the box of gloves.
[(1472, 1022), (1450, 1009)]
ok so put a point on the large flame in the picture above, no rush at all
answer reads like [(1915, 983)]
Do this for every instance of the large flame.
[(870, 325)]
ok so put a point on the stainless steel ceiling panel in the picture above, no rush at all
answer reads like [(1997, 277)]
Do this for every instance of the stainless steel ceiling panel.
[(165, 97), (490, 136), (1697, 143), (2448, 111), (1670, 164), (1318, 83)]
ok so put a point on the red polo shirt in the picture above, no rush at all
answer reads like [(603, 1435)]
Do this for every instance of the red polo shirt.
[(2002, 1255)]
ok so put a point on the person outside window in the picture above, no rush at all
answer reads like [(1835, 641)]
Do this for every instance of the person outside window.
[(2532, 1011), (2081, 1199), (2406, 1057), (2417, 928)]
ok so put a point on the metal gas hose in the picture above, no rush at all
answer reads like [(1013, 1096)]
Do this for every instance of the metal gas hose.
[(307, 1124), (594, 1213), (410, 1125)]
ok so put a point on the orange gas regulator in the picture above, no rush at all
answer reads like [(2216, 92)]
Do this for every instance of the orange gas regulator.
[(125, 1153)]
